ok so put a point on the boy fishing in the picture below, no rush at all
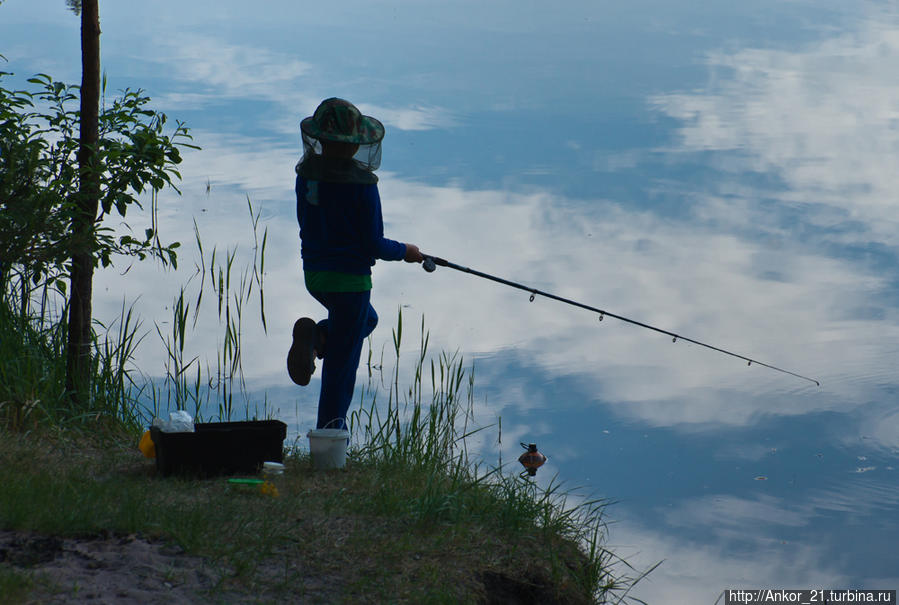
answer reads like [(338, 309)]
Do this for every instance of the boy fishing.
[(342, 234)]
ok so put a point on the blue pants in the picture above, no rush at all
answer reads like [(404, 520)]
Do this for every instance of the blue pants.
[(351, 318)]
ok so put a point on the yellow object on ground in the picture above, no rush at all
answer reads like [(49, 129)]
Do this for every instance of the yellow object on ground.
[(146, 446)]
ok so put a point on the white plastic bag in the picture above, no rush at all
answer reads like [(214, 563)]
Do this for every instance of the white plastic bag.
[(178, 422)]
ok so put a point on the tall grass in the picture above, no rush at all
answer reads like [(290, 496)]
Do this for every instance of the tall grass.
[(32, 362), (409, 430), (193, 383), (33, 349), (417, 445)]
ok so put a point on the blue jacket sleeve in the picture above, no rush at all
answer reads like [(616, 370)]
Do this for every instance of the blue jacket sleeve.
[(374, 243)]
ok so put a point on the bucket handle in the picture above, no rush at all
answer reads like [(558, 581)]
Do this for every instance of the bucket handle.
[(347, 428), (334, 420)]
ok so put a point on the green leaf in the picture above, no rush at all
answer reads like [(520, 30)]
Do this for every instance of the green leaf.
[(39, 128), (40, 79)]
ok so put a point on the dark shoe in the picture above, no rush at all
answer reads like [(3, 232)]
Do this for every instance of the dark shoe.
[(301, 357)]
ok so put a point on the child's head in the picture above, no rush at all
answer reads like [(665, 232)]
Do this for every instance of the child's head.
[(339, 150), (338, 129)]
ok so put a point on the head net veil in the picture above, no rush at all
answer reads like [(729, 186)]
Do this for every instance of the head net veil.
[(339, 121)]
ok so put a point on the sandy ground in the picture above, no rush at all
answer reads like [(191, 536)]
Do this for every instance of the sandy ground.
[(104, 569), (130, 570)]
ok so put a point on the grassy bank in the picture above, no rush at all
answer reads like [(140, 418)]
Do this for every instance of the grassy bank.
[(374, 533), (414, 518)]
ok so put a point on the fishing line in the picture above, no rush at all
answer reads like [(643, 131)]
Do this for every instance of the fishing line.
[(431, 263)]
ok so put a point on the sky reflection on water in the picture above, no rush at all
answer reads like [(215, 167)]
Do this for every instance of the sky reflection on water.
[(723, 172)]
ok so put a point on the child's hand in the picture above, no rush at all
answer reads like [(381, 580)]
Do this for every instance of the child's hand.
[(413, 254)]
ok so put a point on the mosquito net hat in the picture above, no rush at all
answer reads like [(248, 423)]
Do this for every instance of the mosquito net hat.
[(339, 121)]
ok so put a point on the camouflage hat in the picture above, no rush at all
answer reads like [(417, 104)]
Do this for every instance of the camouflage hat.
[(338, 120)]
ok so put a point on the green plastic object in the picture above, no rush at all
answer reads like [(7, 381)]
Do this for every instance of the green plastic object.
[(236, 481)]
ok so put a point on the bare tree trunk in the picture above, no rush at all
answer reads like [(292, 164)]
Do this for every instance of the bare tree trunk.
[(80, 291)]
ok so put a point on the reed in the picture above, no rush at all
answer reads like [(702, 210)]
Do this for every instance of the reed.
[(32, 363), (416, 445), (198, 383)]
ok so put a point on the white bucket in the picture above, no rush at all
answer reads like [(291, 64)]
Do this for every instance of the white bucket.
[(328, 447)]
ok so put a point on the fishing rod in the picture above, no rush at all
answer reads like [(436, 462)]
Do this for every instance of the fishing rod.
[(431, 262)]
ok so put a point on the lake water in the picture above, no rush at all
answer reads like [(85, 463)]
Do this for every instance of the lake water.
[(726, 171)]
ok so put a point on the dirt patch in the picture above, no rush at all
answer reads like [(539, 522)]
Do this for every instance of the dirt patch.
[(104, 569), (501, 589)]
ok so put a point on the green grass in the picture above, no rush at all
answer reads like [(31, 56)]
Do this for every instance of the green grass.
[(359, 535), (33, 366), (416, 517), (33, 343), (15, 585), (418, 450)]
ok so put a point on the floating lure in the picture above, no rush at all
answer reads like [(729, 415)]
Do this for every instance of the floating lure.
[(531, 459)]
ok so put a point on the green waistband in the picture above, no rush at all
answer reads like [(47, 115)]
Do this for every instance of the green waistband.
[(334, 281)]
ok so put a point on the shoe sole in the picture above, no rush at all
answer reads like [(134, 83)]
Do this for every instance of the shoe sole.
[(300, 358)]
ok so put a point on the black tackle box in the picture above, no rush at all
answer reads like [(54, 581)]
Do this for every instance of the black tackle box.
[(219, 448)]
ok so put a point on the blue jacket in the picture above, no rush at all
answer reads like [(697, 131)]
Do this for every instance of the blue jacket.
[(341, 228)]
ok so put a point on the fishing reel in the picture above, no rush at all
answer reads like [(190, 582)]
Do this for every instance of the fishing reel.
[(428, 264), (531, 460)]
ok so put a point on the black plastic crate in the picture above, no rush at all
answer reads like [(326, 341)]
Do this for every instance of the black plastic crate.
[(220, 448)]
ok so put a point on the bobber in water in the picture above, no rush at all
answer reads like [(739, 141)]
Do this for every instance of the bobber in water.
[(531, 459)]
